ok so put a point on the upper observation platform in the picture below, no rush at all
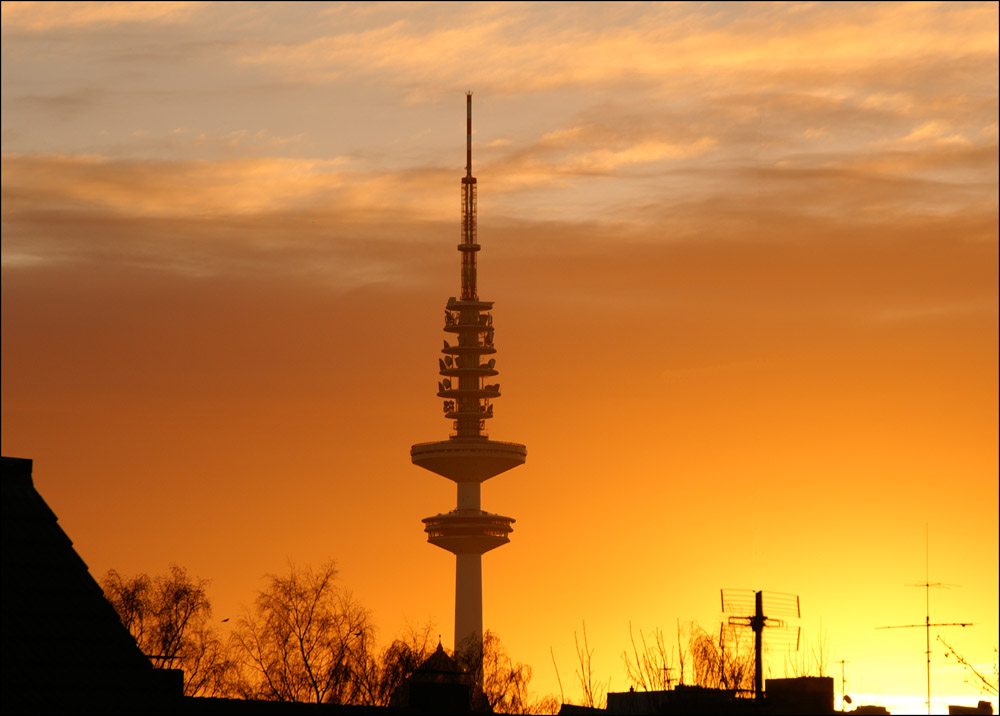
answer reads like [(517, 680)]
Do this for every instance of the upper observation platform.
[(468, 459)]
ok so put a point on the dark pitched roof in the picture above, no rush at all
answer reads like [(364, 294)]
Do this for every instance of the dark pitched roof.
[(64, 647), (439, 663)]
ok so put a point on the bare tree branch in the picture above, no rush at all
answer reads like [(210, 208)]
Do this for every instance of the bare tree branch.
[(595, 693), (170, 618), (979, 680), (649, 669)]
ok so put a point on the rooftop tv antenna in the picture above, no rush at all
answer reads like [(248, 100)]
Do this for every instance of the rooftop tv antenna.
[(927, 584), (737, 602)]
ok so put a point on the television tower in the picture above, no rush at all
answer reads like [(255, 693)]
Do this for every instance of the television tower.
[(468, 457)]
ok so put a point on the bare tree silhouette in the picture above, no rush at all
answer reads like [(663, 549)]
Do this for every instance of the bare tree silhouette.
[(595, 693), (504, 682), (649, 669), (810, 660), (170, 617), (378, 680), (304, 640), (722, 662)]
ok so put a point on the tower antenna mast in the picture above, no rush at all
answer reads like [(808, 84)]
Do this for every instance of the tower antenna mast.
[(927, 584)]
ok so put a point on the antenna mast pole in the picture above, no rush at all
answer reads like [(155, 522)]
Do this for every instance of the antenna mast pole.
[(843, 682), (758, 621), (927, 606), (469, 247), (757, 624), (927, 584)]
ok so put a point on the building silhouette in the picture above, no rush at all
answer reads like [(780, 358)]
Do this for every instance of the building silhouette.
[(64, 648), (439, 685), (468, 457)]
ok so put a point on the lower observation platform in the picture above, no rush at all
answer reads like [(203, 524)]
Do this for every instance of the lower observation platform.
[(468, 459), (468, 531)]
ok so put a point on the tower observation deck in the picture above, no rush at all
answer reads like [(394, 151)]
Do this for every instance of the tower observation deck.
[(468, 457)]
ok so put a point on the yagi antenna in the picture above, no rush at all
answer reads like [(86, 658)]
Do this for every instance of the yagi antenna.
[(738, 603)]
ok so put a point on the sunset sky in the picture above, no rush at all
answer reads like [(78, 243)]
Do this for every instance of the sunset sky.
[(744, 259)]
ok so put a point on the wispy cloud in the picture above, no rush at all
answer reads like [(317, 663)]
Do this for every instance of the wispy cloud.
[(165, 188), (715, 125), (580, 151), (44, 16), (527, 48), (935, 132), (323, 218)]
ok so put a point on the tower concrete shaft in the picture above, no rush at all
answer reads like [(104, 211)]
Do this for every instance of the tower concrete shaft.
[(468, 457)]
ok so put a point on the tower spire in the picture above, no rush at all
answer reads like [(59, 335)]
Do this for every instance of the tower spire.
[(468, 457), (468, 134), (469, 247)]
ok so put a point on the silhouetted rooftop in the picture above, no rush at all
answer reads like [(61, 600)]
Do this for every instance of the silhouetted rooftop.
[(439, 663), (64, 647)]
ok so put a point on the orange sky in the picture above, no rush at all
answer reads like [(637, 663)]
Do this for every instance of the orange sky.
[(744, 259)]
